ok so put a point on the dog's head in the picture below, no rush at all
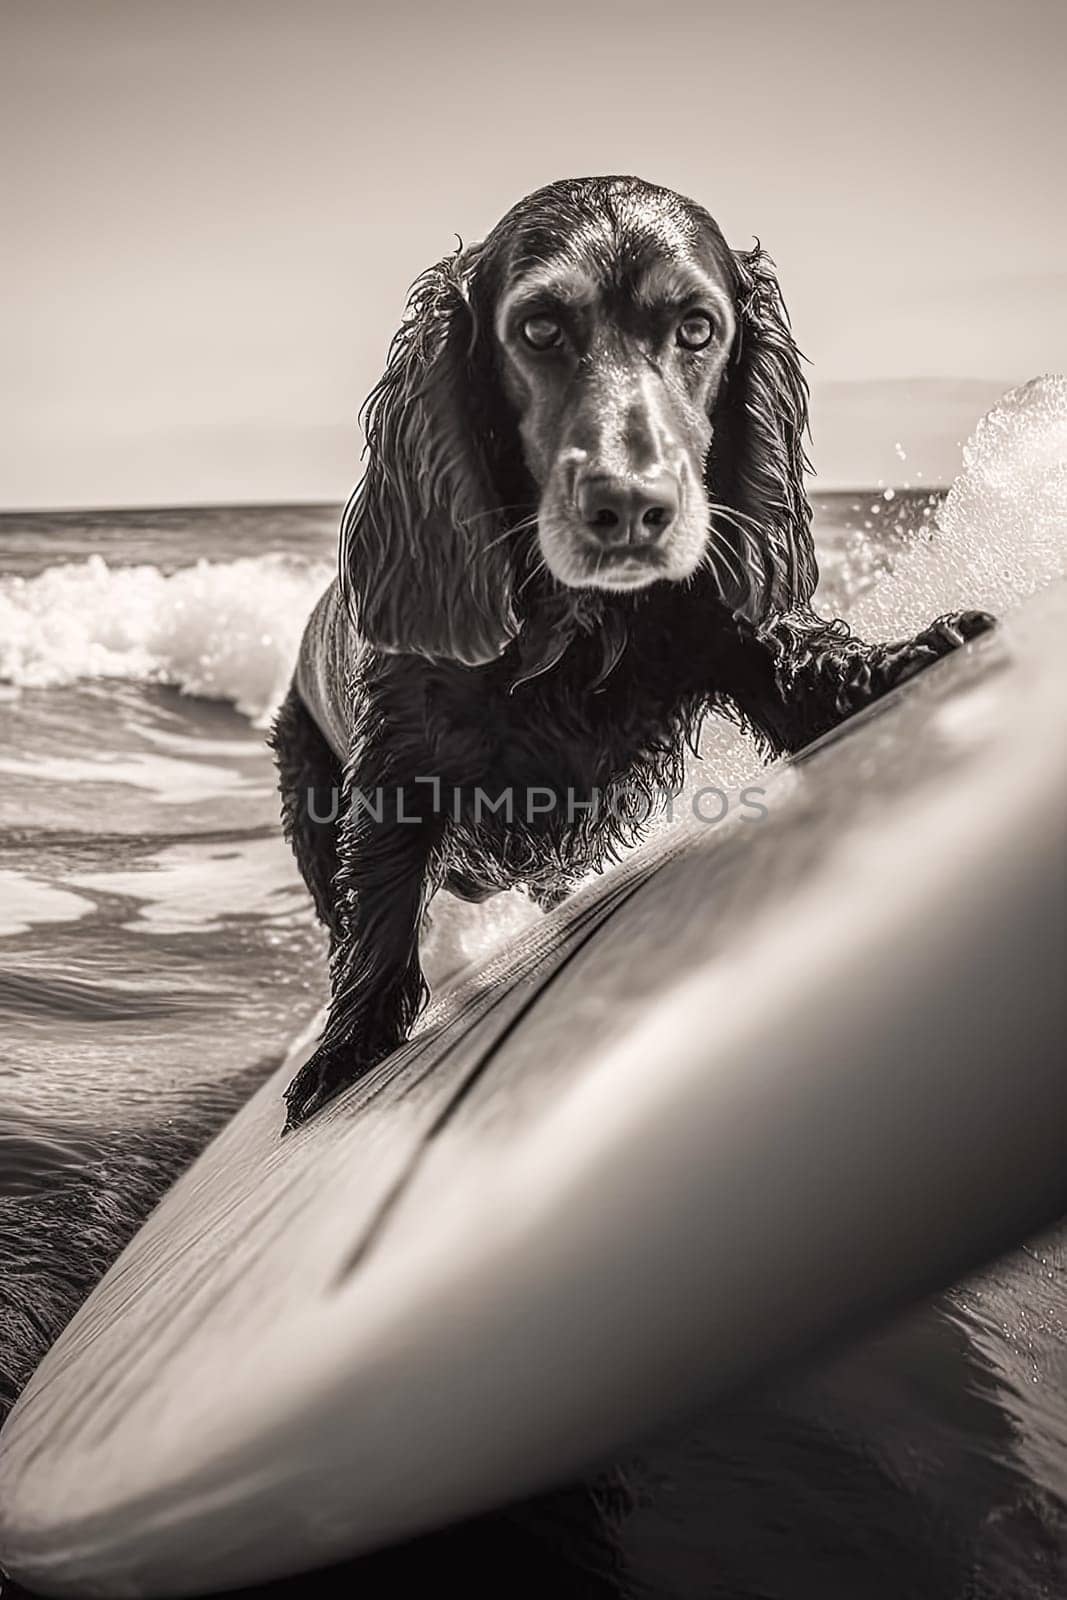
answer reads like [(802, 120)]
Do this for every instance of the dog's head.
[(602, 375)]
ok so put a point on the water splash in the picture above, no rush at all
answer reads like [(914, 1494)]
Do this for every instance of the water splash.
[(1001, 533), (222, 630)]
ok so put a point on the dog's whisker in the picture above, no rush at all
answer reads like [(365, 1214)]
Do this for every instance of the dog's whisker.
[(526, 523), (721, 512), (508, 533), (734, 514), (539, 566), (501, 538), (494, 511), (721, 584), (751, 554), (733, 561)]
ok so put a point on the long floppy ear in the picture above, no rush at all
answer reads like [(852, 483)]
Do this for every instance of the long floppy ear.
[(757, 462), (424, 561)]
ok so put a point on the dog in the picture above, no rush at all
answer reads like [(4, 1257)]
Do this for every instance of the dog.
[(582, 526)]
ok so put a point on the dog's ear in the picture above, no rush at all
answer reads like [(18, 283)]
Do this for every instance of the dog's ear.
[(757, 461), (424, 560)]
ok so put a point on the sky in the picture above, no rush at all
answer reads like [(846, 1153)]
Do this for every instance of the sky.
[(213, 209)]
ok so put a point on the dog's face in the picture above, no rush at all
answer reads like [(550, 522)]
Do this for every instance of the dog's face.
[(605, 368), (613, 342)]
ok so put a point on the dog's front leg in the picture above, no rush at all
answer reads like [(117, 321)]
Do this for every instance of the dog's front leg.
[(388, 844), (798, 676)]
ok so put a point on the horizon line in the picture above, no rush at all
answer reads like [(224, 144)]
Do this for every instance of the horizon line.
[(176, 506)]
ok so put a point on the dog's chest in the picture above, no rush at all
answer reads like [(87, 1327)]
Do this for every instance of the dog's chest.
[(547, 777), (556, 733)]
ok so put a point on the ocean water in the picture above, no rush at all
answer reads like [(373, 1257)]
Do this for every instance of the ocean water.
[(158, 954)]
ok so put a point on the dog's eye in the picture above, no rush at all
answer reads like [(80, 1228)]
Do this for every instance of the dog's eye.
[(542, 333), (695, 332)]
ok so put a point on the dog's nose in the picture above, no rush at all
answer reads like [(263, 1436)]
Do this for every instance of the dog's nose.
[(620, 511)]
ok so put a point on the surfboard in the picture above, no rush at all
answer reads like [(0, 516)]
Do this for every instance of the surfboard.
[(755, 1087)]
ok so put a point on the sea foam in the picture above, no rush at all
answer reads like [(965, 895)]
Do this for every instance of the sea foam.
[(223, 630)]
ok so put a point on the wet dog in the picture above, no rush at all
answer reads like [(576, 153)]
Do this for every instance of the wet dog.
[(583, 526)]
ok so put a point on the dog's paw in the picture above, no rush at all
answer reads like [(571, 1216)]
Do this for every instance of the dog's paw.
[(946, 634), (957, 627), (322, 1076), (333, 1067)]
